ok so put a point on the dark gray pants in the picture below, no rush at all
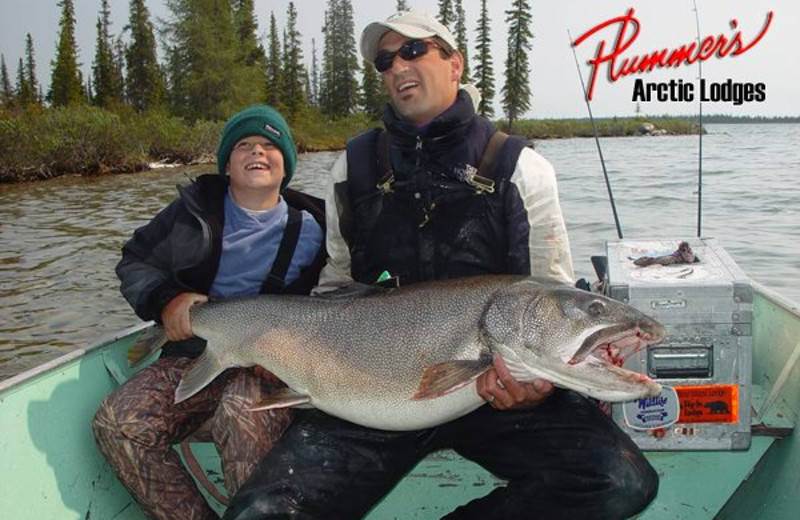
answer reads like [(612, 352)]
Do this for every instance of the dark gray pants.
[(564, 459)]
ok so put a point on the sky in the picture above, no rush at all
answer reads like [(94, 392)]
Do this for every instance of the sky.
[(555, 84)]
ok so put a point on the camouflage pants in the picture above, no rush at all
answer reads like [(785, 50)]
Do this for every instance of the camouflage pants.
[(137, 425)]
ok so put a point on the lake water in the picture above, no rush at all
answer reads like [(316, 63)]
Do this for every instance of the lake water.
[(60, 239)]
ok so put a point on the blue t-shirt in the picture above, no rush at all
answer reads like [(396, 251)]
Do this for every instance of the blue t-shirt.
[(250, 242)]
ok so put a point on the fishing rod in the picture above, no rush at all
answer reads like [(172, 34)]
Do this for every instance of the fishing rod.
[(596, 138), (699, 130)]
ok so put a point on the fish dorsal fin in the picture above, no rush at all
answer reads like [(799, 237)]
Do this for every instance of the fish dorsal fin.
[(282, 398), (199, 375), (443, 378)]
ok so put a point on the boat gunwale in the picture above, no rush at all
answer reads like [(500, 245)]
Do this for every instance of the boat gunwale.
[(67, 358)]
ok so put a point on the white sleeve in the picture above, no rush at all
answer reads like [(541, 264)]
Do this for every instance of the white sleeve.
[(336, 272), (548, 243)]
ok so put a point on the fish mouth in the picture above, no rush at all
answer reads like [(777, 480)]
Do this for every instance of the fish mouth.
[(617, 343)]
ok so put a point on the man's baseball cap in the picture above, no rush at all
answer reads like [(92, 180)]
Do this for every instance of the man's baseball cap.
[(417, 25)]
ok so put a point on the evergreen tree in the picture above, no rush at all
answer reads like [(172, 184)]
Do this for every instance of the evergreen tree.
[(339, 94), (274, 59), (313, 98), (447, 16), (107, 88), (461, 38), (484, 69), (25, 94), (119, 66), (66, 86), (206, 78), (402, 5), (516, 91), (251, 53), (6, 90), (145, 82), (374, 96), (30, 69), (293, 90)]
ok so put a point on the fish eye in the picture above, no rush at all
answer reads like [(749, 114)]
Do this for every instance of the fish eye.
[(596, 308)]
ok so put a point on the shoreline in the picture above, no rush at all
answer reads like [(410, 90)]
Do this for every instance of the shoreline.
[(48, 143)]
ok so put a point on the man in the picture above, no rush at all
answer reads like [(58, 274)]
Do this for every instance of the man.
[(235, 234), (427, 206)]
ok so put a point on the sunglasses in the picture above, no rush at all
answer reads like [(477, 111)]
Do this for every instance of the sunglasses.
[(410, 50)]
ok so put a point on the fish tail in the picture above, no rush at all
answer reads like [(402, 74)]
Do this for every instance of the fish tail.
[(199, 375), (146, 344)]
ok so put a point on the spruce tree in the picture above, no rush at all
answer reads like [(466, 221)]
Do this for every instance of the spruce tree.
[(293, 90), (145, 82), (6, 90), (374, 96), (461, 38), (274, 59), (26, 96), (484, 69), (516, 91), (107, 89), (447, 16), (402, 5), (66, 86), (30, 69), (251, 53), (313, 98), (206, 78), (339, 94)]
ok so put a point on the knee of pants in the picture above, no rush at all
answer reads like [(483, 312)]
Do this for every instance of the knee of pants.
[(107, 425), (633, 484)]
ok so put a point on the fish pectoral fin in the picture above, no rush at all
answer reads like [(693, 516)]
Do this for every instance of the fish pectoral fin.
[(149, 341), (199, 375), (443, 378), (283, 398)]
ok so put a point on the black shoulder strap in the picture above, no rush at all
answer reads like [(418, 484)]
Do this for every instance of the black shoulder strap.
[(487, 169), (276, 280), (384, 164)]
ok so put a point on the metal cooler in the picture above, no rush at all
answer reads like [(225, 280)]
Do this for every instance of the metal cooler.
[(706, 308)]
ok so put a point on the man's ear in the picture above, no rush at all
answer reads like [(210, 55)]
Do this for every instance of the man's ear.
[(457, 66)]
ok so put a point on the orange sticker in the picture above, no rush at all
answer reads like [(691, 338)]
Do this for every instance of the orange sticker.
[(709, 403)]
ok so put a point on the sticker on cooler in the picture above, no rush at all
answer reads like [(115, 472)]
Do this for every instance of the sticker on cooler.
[(709, 404), (653, 413)]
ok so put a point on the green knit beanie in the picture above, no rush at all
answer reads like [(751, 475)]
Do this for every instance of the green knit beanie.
[(263, 121)]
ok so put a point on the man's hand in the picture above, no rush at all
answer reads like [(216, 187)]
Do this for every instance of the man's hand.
[(498, 388), (175, 316)]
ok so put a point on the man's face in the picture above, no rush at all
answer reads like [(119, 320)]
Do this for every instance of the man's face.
[(255, 164), (422, 88)]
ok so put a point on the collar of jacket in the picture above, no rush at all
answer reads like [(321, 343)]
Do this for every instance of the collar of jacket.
[(448, 127)]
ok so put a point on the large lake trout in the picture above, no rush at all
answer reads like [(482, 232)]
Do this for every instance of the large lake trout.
[(408, 358)]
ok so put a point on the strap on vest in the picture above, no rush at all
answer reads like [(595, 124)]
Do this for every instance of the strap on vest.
[(384, 165), (276, 279), (482, 180)]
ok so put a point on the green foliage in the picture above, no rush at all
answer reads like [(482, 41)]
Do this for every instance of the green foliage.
[(374, 96), (206, 80), (66, 86), (41, 144), (6, 91), (106, 77), (338, 85), (517, 90), (145, 82), (317, 132), (461, 38), (484, 70), (293, 95), (447, 15)]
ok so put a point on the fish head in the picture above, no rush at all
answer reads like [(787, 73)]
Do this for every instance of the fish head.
[(573, 338)]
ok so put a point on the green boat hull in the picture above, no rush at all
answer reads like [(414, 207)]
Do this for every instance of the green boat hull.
[(52, 470)]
